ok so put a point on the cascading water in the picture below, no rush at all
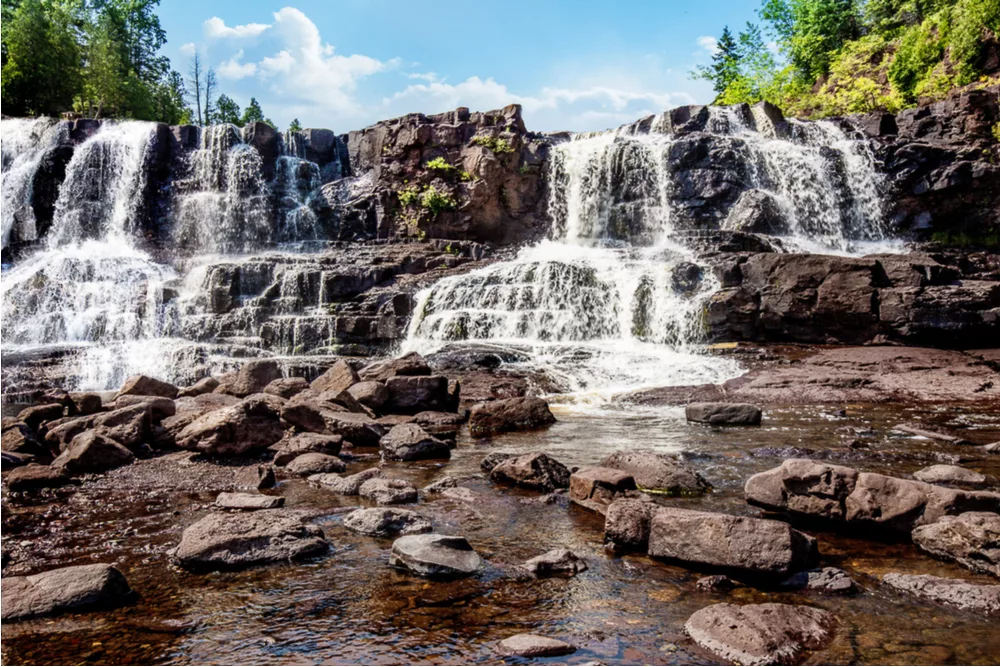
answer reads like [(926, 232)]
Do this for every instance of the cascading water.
[(24, 144), (295, 179)]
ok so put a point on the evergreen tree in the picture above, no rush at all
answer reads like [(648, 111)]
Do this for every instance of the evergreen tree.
[(295, 126), (253, 113), (227, 111), (725, 67)]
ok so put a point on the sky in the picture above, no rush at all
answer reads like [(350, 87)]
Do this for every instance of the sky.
[(344, 64)]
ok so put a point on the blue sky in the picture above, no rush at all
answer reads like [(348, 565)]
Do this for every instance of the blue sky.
[(344, 64)]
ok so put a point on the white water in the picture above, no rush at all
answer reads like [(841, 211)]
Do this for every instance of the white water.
[(24, 143)]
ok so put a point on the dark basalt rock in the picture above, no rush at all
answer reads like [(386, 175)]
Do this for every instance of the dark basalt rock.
[(537, 472), (512, 414)]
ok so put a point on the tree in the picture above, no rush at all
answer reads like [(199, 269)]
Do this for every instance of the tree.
[(104, 76), (227, 111), (725, 67), (295, 126), (210, 86), (253, 113), (194, 83), (811, 31)]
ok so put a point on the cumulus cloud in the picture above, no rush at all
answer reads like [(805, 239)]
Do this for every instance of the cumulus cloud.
[(234, 69), (708, 44), (216, 28), (188, 49)]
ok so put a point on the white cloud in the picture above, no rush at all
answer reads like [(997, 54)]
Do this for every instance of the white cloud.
[(424, 76), (234, 69), (708, 44), (188, 49), (216, 28)]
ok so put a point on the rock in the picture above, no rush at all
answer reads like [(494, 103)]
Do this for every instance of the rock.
[(228, 541), (947, 475), (627, 523), (922, 432), (339, 377), (761, 634), (251, 425), (160, 408), (493, 459), (11, 460), (533, 646), (596, 488), (723, 414), (87, 403), (92, 452), (66, 589), (432, 555), (314, 463), (436, 422), (407, 365), (386, 522), (971, 539), (20, 439), (286, 387), (254, 376), (370, 393), (409, 442), (189, 408), (143, 385), (287, 450), (511, 414), (825, 580), (130, 426), (346, 486), (388, 491), (255, 477), (202, 386), (657, 473), (979, 598), (32, 477), (535, 471), (760, 546), (756, 212), (716, 583), (36, 415), (248, 501), (413, 394), (557, 562), (993, 448)]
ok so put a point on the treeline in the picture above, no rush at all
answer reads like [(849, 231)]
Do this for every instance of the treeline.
[(828, 57), (101, 59)]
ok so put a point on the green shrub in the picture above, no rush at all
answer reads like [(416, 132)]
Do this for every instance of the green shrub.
[(436, 202), (441, 165), (410, 195), (921, 47), (970, 19), (495, 144)]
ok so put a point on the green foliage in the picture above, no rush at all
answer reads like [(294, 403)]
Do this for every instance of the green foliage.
[(725, 67), (810, 32), (495, 144), (995, 131), (441, 165), (295, 126), (253, 113), (408, 196), (227, 111), (436, 202), (971, 21), (920, 48)]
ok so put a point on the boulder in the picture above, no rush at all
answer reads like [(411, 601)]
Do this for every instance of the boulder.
[(409, 442), (228, 541), (346, 486), (533, 646), (254, 376), (36, 415), (32, 477), (535, 471), (432, 555), (66, 589), (130, 426), (202, 386), (359, 429), (251, 425), (971, 539), (189, 408), (370, 393), (949, 475), (20, 439), (407, 365), (761, 634), (413, 394), (87, 403), (288, 449), (388, 491), (255, 477), (658, 473), (339, 377), (627, 523), (314, 463), (557, 562), (756, 212), (596, 488), (286, 387), (386, 522), (759, 546), (723, 414), (11, 460), (160, 408), (824, 580), (512, 414), (143, 385), (978, 598), (92, 452), (493, 459), (248, 501)]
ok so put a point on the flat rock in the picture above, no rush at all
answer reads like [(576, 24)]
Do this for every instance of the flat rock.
[(948, 475), (510, 414), (388, 491), (410, 442), (66, 589), (314, 463), (248, 501), (657, 473), (386, 522), (557, 562), (533, 646), (229, 541), (33, 476), (971, 539), (536, 471), (723, 414), (761, 634), (964, 595), (346, 486), (824, 580), (924, 432), (433, 555)]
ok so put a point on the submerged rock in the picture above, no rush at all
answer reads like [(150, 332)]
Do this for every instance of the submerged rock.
[(386, 522), (971, 539), (229, 541), (66, 589), (717, 583), (533, 646), (557, 562), (388, 491), (511, 414), (825, 580), (434, 555), (537, 471), (657, 473), (723, 414), (346, 486), (964, 595)]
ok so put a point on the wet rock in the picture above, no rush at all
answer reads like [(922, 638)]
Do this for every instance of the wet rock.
[(251, 425), (288, 449), (923, 432), (413, 394), (557, 562), (657, 473), (825, 580), (92, 452), (761, 634), (286, 387), (511, 414), (409, 442), (254, 376), (388, 491), (143, 385), (756, 212), (993, 448), (66, 589), (255, 477), (36, 415), (432, 555), (314, 463), (407, 365), (717, 583), (370, 393), (386, 522), (761, 546), (228, 541), (596, 488), (971, 539), (627, 523), (533, 646), (248, 501), (979, 598), (537, 471), (493, 459), (346, 486), (723, 414), (948, 475), (87, 403), (339, 377), (32, 477), (202, 386)]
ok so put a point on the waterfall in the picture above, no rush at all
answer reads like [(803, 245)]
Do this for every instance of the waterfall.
[(24, 144)]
